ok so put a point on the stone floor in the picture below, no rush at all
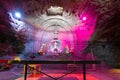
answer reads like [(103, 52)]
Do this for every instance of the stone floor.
[(102, 71), (16, 73)]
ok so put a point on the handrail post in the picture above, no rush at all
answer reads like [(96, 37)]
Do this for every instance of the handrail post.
[(84, 71), (25, 71)]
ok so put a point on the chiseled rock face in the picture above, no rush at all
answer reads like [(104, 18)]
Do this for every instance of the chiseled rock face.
[(107, 53), (109, 32), (7, 34), (107, 26)]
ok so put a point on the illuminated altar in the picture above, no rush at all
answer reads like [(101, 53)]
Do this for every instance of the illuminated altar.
[(55, 45)]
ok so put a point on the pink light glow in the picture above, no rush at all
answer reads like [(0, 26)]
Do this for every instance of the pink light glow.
[(84, 18), (78, 76)]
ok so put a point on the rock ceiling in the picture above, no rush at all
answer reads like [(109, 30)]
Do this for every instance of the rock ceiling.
[(36, 11), (37, 14)]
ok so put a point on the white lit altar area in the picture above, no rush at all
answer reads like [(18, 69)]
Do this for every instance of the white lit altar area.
[(55, 31)]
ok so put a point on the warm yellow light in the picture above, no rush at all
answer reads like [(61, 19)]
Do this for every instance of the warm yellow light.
[(17, 58)]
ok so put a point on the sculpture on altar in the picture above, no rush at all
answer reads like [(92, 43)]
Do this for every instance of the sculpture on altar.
[(55, 46), (66, 49), (43, 49)]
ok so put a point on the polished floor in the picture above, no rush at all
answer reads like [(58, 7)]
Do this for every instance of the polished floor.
[(101, 73), (98, 72)]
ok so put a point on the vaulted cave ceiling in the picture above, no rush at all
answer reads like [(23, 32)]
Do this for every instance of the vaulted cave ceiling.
[(37, 14), (104, 15)]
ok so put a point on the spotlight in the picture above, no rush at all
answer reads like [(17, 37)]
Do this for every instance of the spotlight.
[(18, 15), (84, 18)]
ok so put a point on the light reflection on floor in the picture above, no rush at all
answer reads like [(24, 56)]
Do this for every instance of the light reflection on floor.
[(77, 77)]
